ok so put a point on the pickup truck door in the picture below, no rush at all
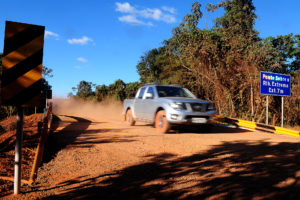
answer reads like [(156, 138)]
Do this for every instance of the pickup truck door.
[(149, 104), (138, 104)]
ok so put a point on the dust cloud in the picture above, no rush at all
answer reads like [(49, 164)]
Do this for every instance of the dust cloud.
[(108, 109)]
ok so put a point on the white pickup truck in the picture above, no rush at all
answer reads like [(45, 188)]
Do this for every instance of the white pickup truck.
[(167, 105)]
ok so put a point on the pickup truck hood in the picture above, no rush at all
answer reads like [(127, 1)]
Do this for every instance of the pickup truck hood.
[(185, 100)]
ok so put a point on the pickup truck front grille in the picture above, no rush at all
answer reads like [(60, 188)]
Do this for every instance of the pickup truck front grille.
[(198, 107), (189, 117)]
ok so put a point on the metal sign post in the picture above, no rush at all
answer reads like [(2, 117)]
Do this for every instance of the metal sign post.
[(282, 111), (18, 151), (267, 110), (277, 85)]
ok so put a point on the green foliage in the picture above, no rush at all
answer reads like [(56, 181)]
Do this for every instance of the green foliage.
[(70, 95), (47, 72), (285, 53), (101, 92), (131, 89), (46, 87), (116, 91), (150, 66), (9, 110), (84, 90)]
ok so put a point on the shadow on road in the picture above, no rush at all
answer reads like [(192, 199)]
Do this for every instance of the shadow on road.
[(206, 128), (232, 170), (210, 128), (76, 135), (60, 139)]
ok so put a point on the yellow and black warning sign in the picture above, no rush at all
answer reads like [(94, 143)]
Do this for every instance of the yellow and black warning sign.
[(21, 79)]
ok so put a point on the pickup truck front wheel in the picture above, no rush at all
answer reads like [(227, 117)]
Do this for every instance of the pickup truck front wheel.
[(129, 118), (161, 123)]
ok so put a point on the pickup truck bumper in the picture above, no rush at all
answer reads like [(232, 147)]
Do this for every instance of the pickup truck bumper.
[(179, 117)]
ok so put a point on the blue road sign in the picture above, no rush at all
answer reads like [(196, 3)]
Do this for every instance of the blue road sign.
[(275, 84)]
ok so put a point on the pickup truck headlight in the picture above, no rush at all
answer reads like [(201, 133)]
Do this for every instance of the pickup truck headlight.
[(211, 106), (178, 105)]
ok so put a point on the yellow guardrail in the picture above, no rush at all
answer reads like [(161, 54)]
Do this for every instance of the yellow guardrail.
[(258, 126), (286, 131), (246, 124)]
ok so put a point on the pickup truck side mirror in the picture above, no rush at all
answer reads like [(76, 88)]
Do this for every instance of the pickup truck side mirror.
[(149, 96)]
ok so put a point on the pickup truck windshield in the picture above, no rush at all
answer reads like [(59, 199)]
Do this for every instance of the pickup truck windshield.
[(167, 91)]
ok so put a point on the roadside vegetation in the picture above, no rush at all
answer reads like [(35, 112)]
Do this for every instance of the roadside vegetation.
[(116, 91), (221, 64)]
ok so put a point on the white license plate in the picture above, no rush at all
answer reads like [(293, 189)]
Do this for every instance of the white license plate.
[(199, 120)]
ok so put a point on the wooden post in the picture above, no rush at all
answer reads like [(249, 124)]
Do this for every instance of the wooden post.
[(45, 128)]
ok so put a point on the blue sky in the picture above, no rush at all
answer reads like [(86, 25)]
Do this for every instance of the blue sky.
[(102, 40)]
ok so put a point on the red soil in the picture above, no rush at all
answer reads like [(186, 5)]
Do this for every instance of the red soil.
[(7, 149)]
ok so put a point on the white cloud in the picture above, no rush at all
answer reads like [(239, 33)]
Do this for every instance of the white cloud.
[(169, 18), (81, 59), (130, 19), (133, 20), (124, 7), (169, 9), (77, 67), (158, 15), (82, 41), (151, 13), (137, 16), (49, 33)]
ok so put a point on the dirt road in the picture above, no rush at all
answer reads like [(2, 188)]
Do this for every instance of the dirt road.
[(100, 157)]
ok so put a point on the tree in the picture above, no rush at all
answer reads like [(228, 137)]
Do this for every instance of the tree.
[(70, 95), (47, 72), (46, 87), (222, 62), (197, 54), (116, 90), (101, 92), (286, 53), (241, 52), (149, 67), (84, 90), (131, 89)]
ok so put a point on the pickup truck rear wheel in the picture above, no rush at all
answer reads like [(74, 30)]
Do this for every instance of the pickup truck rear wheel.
[(161, 123), (129, 118)]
